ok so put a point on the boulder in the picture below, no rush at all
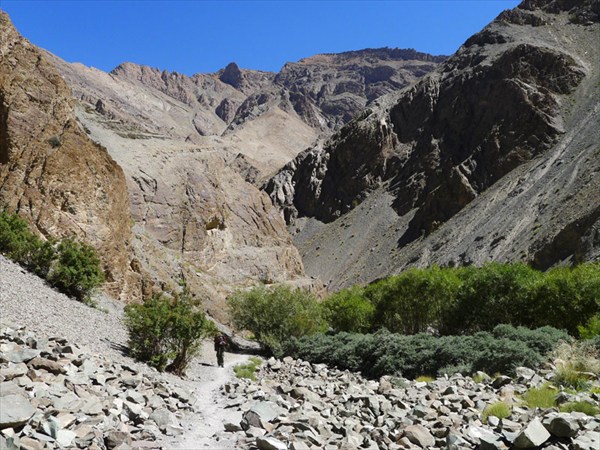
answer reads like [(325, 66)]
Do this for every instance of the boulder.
[(16, 410), (419, 435), (532, 436)]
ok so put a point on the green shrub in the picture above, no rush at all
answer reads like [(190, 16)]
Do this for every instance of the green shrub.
[(567, 297), (349, 310), (582, 407), (248, 370), (542, 397), (411, 302), (77, 271), (501, 410), (385, 353), (276, 314), (490, 295), (22, 246), (167, 333), (591, 329)]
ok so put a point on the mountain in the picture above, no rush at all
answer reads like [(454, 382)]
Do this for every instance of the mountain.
[(50, 171), (194, 149), (492, 156)]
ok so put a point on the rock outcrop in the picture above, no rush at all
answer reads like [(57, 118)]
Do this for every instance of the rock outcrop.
[(475, 162), (298, 405), (51, 173)]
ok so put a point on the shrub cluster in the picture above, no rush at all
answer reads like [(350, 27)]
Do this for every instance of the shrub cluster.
[(167, 332), (275, 314), (385, 353), (470, 299), (72, 267)]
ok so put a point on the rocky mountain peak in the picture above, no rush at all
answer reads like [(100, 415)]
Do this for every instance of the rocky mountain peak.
[(233, 76)]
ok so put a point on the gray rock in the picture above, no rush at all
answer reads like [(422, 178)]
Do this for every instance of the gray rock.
[(500, 381), (64, 438), (232, 427), (589, 440), (163, 418), (115, 438), (532, 436), (13, 371), (270, 443), (16, 410), (561, 425), (418, 434), (27, 443)]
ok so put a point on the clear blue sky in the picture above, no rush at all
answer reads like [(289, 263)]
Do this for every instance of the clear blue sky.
[(204, 36)]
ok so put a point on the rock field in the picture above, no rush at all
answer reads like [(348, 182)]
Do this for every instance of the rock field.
[(298, 405)]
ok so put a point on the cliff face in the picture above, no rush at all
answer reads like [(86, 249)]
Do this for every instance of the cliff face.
[(51, 173), (427, 175)]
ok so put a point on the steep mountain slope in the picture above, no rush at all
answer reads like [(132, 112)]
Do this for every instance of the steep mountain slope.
[(50, 171), (191, 147), (492, 156)]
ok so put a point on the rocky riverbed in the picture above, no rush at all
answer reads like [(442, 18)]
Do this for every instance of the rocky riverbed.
[(297, 405)]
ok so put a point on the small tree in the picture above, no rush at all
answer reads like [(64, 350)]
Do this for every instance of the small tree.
[(349, 310), (167, 332), (77, 271), (275, 314)]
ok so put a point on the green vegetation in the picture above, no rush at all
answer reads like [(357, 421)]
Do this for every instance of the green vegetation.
[(167, 332), (582, 407), (591, 329), (248, 370), (72, 267), (349, 310), (543, 397), (481, 377), (470, 299), (381, 353), (77, 271), (501, 410), (425, 378), (576, 363), (276, 314)]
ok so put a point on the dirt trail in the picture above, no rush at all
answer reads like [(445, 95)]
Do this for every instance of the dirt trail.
[(204, 430)]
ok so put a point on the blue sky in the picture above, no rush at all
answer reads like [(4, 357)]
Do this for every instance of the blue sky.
[(204, 36)]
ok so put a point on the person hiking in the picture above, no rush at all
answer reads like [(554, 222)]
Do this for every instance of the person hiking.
[(220, 345)]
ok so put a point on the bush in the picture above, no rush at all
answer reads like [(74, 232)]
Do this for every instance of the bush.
[(385, 353), (411, 302), (349, 310), (591, 329), (22, 246), (77, 272), (490, 295), (276, 314), (167, 333)]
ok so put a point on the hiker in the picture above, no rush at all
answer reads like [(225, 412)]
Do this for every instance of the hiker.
[(220, 345)]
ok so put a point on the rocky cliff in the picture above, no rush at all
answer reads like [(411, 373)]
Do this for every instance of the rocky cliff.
[(493, 156), (51, 173), (192, 149)]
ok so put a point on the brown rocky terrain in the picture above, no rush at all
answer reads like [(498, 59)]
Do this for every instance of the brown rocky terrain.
[(493, 156), (50, 171), (192, 147)]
